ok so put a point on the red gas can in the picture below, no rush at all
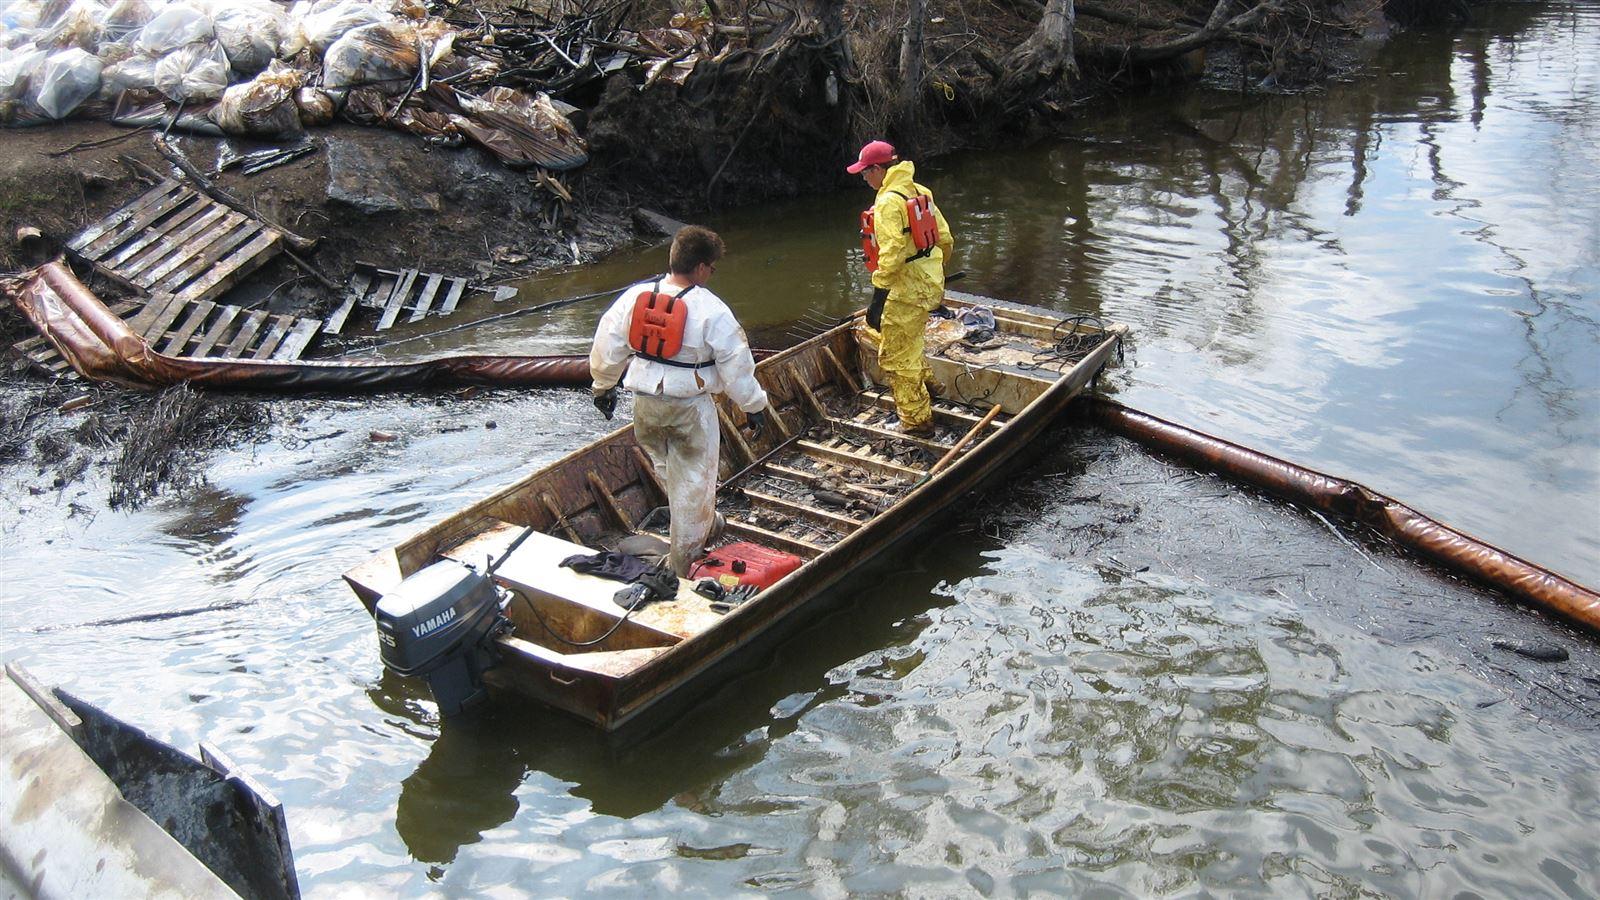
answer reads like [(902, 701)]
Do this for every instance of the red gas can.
[(745, 563)]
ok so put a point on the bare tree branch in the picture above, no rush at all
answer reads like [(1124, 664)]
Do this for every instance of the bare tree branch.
[(1216, 27)]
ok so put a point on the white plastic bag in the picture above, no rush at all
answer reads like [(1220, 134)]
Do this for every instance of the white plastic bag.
[(21, 13), (384, 55), (66, 79), (317, 27), (14, 37), (136, 73), (264, 107), (193, 72), (81, 25), (173, 27), (17, 69), (316, 107), (416, 10), (126, 18), (249, 32)]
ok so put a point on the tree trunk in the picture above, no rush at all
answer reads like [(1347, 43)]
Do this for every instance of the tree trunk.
[(1041, 60), (911, 70)]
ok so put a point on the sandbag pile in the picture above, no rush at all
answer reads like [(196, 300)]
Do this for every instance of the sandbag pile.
[(266, 70)]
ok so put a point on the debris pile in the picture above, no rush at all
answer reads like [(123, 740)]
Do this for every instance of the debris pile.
[(259, 69)]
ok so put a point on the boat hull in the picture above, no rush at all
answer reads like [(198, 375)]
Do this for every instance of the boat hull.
[(633, 696)]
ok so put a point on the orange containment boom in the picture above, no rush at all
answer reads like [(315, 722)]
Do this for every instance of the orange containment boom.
[(1456, 551), (100, 346)]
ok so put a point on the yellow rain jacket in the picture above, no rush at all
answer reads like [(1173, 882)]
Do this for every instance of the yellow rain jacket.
[(916, 287), (921, 281)]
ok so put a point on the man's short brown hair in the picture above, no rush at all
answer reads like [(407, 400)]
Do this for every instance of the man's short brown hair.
[(691, 246)]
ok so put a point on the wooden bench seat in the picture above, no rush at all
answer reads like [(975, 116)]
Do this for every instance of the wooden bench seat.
[(583, 602)]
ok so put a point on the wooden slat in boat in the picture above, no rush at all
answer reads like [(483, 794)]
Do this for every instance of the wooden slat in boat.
[(882, 486), (848, 459), (813, 480), (788, 543), (827, 518), (879, 431)]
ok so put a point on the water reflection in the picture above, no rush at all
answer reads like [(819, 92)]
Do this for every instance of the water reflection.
[(1066, 734), (464, 787), (467, 783)]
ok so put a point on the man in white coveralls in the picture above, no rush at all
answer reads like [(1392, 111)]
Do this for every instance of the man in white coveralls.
[(680, 344)]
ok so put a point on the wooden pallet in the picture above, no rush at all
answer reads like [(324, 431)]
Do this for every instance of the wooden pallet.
[(176, 241), (195, 328), (396, 291), (43, 354)]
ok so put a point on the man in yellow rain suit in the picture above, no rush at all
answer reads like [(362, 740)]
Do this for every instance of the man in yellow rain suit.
[(907, 285)]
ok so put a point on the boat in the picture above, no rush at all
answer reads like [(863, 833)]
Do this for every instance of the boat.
[(480, 603)]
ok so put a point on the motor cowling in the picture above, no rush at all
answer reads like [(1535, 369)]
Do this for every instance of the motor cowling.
[(440, 623)]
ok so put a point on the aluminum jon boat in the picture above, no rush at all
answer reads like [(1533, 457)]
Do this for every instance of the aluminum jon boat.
[(479, 603)]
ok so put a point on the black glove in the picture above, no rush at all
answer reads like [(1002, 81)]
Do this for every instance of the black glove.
[(606, 402), (875, 308), (758, 422)]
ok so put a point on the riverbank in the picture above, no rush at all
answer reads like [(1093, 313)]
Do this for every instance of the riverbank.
[(820, 85)]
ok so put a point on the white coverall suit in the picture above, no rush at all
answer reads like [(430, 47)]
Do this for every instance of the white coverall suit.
[(674, 418)]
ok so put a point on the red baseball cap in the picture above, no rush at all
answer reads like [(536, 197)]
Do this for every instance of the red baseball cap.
[(875, 153)]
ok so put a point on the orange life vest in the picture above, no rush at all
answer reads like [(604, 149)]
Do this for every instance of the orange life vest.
[(869, 239), (656, 330), (921, 224)]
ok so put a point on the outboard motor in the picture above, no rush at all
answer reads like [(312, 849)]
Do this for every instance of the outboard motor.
[(441, 623)]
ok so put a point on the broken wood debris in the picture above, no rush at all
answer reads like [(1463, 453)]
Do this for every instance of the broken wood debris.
[(101, 344), (413, 291)]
